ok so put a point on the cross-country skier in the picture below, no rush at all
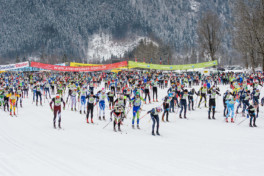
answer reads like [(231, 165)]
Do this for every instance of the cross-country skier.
[(231, 108), (90, 106), (57, 109), (102, 96), (117, 113), (12, 99), (154, 114), (202, 92), (166, 107), (183, 102), (136, 108), (83, 94), (212, 95), (252, 113), (190, 99)]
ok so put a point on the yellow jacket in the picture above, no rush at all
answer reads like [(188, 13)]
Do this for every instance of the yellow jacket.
[(13, 97)]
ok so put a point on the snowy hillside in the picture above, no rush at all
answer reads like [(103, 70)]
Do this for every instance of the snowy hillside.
[(197, 146), (104, 46), (58, 27)]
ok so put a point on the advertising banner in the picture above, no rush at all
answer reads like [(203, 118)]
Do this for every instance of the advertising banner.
[(75, 64), (78, 69), (171, 67), (14, 66)]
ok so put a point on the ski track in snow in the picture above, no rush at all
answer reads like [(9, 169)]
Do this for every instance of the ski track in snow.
[(195, 146)]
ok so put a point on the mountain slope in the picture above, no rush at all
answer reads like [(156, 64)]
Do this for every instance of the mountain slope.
[(65, 27)]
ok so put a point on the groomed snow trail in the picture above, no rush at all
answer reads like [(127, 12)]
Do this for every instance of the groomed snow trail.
[(30, 146)]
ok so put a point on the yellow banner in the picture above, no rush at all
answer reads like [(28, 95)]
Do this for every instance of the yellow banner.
[(171, 67), (75, 64)]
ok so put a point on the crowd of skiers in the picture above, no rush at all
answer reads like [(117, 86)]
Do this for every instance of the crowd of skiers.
[(127, 91)]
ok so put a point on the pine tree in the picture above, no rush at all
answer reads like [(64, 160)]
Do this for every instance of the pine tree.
[(17, 59)]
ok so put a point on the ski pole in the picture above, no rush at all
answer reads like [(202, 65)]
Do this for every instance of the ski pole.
[(17, 110), (144, 116), (129, 110), (107, 124), (97, 111), (242, 121)]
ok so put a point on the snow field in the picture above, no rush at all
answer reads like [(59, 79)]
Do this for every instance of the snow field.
[(30, 146)]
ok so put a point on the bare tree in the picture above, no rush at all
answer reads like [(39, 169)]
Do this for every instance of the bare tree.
[(249, 30), (209, 33)]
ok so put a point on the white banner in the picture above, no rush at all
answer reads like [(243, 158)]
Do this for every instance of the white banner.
[(14, 66)]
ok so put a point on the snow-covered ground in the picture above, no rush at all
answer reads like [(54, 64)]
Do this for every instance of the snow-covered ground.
[(30, 146)]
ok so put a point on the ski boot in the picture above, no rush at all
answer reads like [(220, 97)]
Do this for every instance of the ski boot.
[(167, 119), (119, 128), (254, 125), (180, 116), (250, 125), (133, 126), (87, 121), (75, 109), (153, 134), (91, 120), (114, 129), (103, 117), (80, 112), (138, 126), (99, 117), (71, 109), (209, 117), (226, 120), (232, 120), (157, 132), (84, 112), (59, 126)]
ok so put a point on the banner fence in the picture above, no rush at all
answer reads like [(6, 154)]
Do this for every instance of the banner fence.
[(14, 66), (78, 69), (171, 67)]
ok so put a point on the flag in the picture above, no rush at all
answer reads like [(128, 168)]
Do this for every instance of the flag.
[(160, 60), (151, 60), (135, 59)]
